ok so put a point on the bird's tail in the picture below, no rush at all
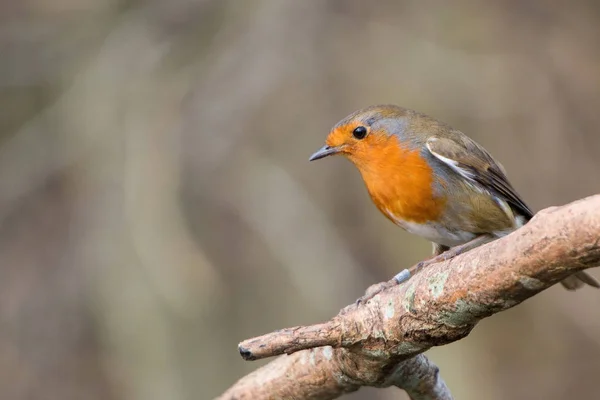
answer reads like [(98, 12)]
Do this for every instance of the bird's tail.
[(579, 280)]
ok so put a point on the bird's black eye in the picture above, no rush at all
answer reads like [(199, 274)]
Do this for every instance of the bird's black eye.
[(359, 132)]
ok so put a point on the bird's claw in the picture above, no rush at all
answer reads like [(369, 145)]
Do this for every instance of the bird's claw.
[(422, 264), (374, 290)]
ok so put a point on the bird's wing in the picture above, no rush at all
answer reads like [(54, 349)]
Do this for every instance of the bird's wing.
[(474, 163)]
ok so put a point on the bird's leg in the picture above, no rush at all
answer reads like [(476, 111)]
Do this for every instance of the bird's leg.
[(443, 253), (439, 249), (440, 253)]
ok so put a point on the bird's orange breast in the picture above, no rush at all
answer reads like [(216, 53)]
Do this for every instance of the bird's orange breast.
[(399, 180)]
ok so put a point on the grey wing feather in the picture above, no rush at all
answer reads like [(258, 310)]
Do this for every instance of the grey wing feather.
[(473, 162)]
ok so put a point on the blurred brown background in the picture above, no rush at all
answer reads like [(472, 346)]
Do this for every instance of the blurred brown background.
[(157, 205)]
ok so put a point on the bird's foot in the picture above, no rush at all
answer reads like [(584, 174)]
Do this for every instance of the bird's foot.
[(374, 290), (407, 273), (445, 256), (377, 288)]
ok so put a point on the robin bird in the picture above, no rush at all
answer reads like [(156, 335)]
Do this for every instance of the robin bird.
[(432, 180)]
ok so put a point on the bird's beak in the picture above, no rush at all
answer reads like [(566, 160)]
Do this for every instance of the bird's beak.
[(324, 152)]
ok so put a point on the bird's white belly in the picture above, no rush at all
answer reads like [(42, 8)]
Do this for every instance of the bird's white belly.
[(435, 233), (438, 234)]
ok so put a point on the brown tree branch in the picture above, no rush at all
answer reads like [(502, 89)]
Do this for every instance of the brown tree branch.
[(371, 342)]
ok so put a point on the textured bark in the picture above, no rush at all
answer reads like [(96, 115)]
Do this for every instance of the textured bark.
[(374, 343)]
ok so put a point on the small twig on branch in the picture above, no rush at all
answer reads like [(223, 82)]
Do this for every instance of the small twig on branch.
[(441, 304), (291, 340)]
